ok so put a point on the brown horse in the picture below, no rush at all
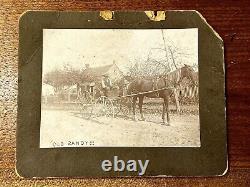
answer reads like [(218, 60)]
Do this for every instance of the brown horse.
[(164, 86)]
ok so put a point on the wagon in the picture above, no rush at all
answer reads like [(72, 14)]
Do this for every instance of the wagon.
[(93, 105)]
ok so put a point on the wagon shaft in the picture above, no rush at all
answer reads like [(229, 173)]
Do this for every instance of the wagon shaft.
[(152, 91)]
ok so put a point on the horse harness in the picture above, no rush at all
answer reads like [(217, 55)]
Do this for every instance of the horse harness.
[(155, 86)]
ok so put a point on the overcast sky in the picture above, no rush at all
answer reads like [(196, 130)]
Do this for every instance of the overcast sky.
[(96, 47)]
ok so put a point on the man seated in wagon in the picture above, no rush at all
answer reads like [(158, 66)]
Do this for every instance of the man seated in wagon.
[(106, 84)]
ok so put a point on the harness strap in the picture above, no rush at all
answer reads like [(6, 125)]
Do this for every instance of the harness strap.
[(155, 86)]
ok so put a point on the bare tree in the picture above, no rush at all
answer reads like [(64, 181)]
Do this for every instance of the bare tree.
[(58, 78), (174, 57)]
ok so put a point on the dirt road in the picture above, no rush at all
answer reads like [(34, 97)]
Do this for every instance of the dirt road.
[(69, 129)]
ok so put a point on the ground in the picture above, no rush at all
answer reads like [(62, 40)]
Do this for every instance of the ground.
[(69, 128)]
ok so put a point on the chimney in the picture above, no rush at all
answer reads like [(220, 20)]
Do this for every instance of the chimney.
[(87, 66)]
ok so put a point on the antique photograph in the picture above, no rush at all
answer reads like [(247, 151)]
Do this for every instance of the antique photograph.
[(120, 88)]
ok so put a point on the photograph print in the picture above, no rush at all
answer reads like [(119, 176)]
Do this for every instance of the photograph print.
[(120, 88)]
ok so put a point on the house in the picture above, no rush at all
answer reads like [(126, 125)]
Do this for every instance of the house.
[(92, 77), (94, 74), (47, 90)]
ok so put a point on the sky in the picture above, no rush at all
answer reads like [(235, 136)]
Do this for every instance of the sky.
[(97, 47)]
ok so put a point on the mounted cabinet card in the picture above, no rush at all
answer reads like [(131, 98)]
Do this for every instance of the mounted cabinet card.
[(120, 94)]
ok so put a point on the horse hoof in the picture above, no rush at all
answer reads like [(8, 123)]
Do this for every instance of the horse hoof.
[(166, 124)]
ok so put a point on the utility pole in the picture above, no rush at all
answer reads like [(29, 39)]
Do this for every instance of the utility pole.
[(172, 56), (165, 48)]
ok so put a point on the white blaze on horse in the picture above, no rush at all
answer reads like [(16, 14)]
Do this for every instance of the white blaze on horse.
[(162, 87)]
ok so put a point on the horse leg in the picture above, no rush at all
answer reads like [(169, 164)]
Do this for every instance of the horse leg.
[(165, 110), (133, 105), (140, 107), (178, 110)]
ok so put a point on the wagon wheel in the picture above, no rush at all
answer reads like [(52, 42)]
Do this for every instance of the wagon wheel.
[(123, 106), (103, 107), (126, 108), (85, 105), (116, 104)]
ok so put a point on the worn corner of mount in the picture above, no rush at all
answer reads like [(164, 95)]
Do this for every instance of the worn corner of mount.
[(107, 14), (159, 16), (211, 28)]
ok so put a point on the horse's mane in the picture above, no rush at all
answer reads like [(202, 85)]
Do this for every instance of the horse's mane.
[(174, 71), (174, 76)]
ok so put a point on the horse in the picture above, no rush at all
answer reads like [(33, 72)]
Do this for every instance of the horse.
[(162, 87)]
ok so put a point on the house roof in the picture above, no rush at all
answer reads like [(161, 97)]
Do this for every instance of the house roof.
[(97, 71)]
